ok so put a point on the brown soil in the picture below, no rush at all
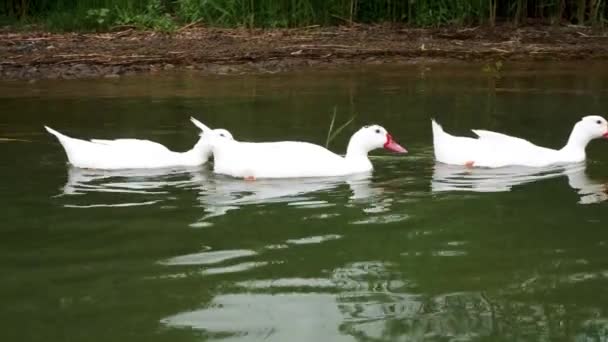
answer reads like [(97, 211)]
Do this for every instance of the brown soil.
[(36, 55)]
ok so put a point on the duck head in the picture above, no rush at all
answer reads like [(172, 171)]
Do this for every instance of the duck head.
[(372, 137), (588, 128), (204, 146), (209, 137), (594, 126), (221, 133), (218, 133)]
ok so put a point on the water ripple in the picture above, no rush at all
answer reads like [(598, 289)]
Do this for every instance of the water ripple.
[(206, 258), (383, 219), (280, 317), (245, 266), (314, 239), (153, 185), (316, 283), (449, 253), (368, 276), (113, 205)]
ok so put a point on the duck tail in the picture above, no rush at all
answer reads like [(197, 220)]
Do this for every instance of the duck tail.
[(200, 125), (438, 133), (439, 140), (437, 129), (59, 136), (69, 144)]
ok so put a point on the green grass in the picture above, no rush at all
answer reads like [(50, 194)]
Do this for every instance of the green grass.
[(167, 15)]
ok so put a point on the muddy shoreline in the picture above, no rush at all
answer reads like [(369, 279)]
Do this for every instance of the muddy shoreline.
[(40, 55)]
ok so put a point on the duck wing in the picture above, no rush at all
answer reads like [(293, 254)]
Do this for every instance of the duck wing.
[(137, 145), (502, 140), (490, 149), (286, 159)]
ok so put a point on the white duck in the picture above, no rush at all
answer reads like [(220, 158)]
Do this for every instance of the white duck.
[(295, 159), (493, 149), (132, 153)]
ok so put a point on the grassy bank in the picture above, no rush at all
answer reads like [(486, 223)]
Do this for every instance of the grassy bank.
[(168, 15)]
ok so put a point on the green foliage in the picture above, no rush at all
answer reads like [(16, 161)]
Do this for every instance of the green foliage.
[(249, 13), (98, 15), (154, 16), (166, 15)]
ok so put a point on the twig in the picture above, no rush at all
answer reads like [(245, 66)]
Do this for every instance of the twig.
[(135, 61), (34, 39), (83, 55), (80, 60), (109, 61), (108, 56), (500, 50), (309, 27), (588, 36), (350, 22), (189, 25), (469, 29), (127, 27), (116, 34), (329, 46), (11, 139)]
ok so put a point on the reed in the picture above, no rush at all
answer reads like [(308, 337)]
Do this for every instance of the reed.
[(103, 14), (331, 133)]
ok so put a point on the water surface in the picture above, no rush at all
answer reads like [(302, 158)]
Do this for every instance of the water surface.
[(414, 251)]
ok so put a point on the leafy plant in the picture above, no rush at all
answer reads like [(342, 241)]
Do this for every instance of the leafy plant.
[(98, 15), (154, 17), (166, 15)]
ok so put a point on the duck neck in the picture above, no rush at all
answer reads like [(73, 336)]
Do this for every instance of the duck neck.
[(200, 153), (577, 142), (355, 149)]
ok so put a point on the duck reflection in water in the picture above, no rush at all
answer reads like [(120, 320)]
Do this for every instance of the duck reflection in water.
[(149, 181), (219, 194), (216, 194), (124, 188), (457, 178)]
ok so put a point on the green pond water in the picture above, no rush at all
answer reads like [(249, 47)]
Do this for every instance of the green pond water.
[(414, 252)]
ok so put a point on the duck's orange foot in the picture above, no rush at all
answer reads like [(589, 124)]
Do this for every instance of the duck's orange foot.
[(249, 178), (469, 164)]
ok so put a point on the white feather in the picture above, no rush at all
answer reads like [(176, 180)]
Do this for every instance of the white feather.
[(129, 153), (294, 159), (492, 149)]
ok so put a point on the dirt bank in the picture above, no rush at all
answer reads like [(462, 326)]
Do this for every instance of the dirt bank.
[(37, 55)]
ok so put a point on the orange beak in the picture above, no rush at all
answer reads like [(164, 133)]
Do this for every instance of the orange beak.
[(392, 145)]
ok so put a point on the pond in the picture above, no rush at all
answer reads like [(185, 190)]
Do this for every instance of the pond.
[(414, 251)]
